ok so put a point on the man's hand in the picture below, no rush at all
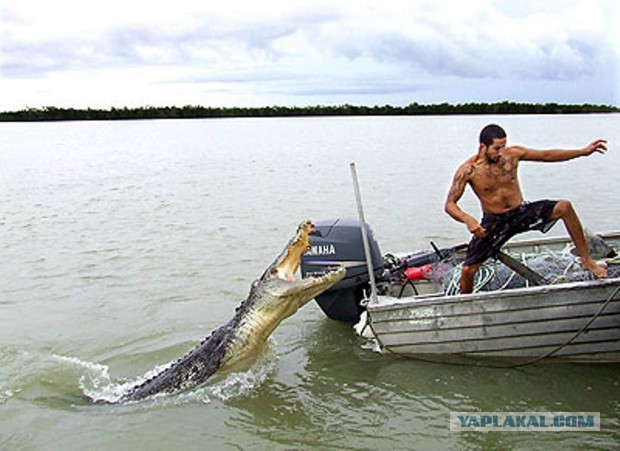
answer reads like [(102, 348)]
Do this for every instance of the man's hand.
[(476, 229), (600, 146)]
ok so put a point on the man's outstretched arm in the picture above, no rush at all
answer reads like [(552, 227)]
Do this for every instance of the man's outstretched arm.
[(552, 155)]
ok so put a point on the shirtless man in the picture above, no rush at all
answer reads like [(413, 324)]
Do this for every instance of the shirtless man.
[(492, 174)]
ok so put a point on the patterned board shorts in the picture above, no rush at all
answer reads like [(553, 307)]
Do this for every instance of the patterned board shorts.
[(500, 228)]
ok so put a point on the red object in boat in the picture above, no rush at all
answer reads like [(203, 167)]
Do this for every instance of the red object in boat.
[(418, 272)]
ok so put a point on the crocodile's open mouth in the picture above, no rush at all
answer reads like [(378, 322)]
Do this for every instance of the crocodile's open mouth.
[(284, 267), (291, 257)]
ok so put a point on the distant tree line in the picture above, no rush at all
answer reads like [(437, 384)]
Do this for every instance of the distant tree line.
[(196, 112)]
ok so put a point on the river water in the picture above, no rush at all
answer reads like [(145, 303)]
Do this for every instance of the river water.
[(123, 244)]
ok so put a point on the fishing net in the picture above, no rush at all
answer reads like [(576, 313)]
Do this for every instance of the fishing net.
[(555, 267)]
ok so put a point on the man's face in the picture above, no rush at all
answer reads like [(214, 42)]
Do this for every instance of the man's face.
[(492, 152)]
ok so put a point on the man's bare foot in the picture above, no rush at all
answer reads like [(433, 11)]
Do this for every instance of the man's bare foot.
[(599, 270)]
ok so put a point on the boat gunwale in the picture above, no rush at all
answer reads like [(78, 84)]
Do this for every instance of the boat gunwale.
[(495, 323), (547, 240), (486, 296)]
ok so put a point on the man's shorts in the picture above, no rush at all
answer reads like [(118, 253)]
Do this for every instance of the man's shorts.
[(500, 228)]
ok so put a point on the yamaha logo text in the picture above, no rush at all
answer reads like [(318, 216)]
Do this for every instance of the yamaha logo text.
[(323, 249)]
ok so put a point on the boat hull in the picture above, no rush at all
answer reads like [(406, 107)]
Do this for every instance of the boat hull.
[(574, 321), (521, 324)]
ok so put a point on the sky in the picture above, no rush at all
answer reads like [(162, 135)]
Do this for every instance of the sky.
[(226, 53)]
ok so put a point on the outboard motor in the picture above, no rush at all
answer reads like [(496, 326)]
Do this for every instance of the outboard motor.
[(339, 242)]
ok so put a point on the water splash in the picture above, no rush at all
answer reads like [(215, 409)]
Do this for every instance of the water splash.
[(239, 384), (97, 384), (373, 345), (6, 394)]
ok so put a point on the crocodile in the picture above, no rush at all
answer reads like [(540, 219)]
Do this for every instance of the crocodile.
[(276, 295)]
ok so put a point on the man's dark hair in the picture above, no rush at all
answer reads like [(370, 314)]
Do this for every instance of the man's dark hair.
[(491, 132)]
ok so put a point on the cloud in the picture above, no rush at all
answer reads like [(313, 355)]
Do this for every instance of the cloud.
[(306, 49), (475, 40)]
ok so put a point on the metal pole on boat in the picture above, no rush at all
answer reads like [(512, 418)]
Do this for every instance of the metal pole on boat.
[(360, 213)]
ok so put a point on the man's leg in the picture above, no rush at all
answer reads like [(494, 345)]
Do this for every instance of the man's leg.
[(467, 277), (564, 210)]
